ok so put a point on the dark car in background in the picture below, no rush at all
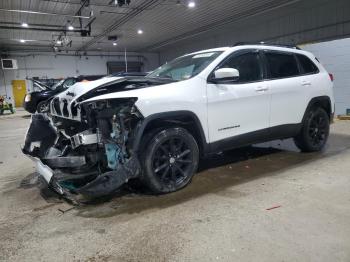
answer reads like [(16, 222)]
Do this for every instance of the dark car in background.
[(36, 101)]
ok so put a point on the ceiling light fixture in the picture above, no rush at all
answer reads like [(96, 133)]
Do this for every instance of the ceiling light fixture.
[(191, 4), (140, 32), (120, 3), (24, 25), (114, 43), (22, 41)]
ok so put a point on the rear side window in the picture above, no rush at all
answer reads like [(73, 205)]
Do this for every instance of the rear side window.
[(281, 65), (307, 66)]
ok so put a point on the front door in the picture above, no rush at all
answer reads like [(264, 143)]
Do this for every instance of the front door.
[(239, 110)]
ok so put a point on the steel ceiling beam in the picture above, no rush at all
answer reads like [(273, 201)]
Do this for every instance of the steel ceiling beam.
[(251, 13), (91, 4), (123, 20)]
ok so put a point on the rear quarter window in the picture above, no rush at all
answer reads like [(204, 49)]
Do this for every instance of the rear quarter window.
[(307, 66)]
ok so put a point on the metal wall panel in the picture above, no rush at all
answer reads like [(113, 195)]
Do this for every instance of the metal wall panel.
[(303, 22)]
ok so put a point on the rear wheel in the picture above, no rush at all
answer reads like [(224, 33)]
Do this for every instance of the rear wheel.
[(315, 130), (170, 160)]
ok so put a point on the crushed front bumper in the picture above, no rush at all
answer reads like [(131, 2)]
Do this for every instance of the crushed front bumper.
[(41, 138), (47, 173)]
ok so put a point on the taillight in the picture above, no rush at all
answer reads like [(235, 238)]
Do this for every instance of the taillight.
[(331, 77)]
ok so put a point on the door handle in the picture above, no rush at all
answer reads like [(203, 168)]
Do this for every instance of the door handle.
[(306, 83), (261, 89)]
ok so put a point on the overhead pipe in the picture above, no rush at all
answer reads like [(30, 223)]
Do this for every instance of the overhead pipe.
[(43, 13), (44, 29), (43, 53), (31, 24)]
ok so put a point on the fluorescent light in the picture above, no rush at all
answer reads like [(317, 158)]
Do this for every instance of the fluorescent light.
[(70, 27), (191, 4), (140, 32), (22, 41), (114, 43), (24, 25)]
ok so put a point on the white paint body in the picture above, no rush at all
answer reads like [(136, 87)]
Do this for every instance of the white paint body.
[(247, 107)]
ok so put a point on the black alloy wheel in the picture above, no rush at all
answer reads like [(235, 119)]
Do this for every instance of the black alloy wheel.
[(170, 160), (318, 129), (315, 131)]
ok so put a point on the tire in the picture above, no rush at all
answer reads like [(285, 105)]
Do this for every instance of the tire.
[(314, 132), (169, 160), (41, 107)]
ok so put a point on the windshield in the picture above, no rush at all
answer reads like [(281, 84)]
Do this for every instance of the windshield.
[(185, 67), (37, 86), (57, 85)]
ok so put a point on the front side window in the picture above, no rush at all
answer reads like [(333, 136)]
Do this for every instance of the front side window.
[(307, 66), (185, 67), (281, 65), (248, 65)]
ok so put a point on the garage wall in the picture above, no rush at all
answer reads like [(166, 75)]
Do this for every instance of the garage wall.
[(46, 65), (335, 56), (302, 22)]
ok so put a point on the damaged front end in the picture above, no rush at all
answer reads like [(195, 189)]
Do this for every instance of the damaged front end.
[(92, 157)]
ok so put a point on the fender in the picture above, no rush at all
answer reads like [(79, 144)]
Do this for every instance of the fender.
[(324, 102), (140, 129)]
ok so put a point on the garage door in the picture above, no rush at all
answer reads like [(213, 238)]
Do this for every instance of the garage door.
[(118, 67)]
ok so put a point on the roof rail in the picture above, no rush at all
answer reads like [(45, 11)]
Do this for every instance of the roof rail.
[(267, 44)]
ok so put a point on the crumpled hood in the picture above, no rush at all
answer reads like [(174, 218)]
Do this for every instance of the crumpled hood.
[(80, 88), (62, 104)]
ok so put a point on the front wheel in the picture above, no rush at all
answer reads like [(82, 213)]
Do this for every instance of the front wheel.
[(42, 107), (170, 159), (314, 132)]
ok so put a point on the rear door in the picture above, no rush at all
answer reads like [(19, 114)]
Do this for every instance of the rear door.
[(239, 108), (307, 73), (286, 88)]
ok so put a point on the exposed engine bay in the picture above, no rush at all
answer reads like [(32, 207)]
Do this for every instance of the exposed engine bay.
[(87, 148)]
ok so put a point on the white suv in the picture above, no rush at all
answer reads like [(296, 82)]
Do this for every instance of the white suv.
[(100, 134)]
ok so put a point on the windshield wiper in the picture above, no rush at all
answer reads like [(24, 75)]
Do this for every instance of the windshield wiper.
[(163, 78)]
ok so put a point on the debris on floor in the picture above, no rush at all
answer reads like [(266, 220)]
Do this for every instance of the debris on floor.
[(65, 210), (274, 207)]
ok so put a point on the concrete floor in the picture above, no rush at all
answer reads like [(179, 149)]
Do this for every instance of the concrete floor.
[(220, 216)]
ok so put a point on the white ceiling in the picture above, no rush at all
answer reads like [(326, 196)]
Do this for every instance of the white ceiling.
[(161, 20)]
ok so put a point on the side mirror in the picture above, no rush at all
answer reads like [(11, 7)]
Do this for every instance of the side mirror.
[(224, 75)]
